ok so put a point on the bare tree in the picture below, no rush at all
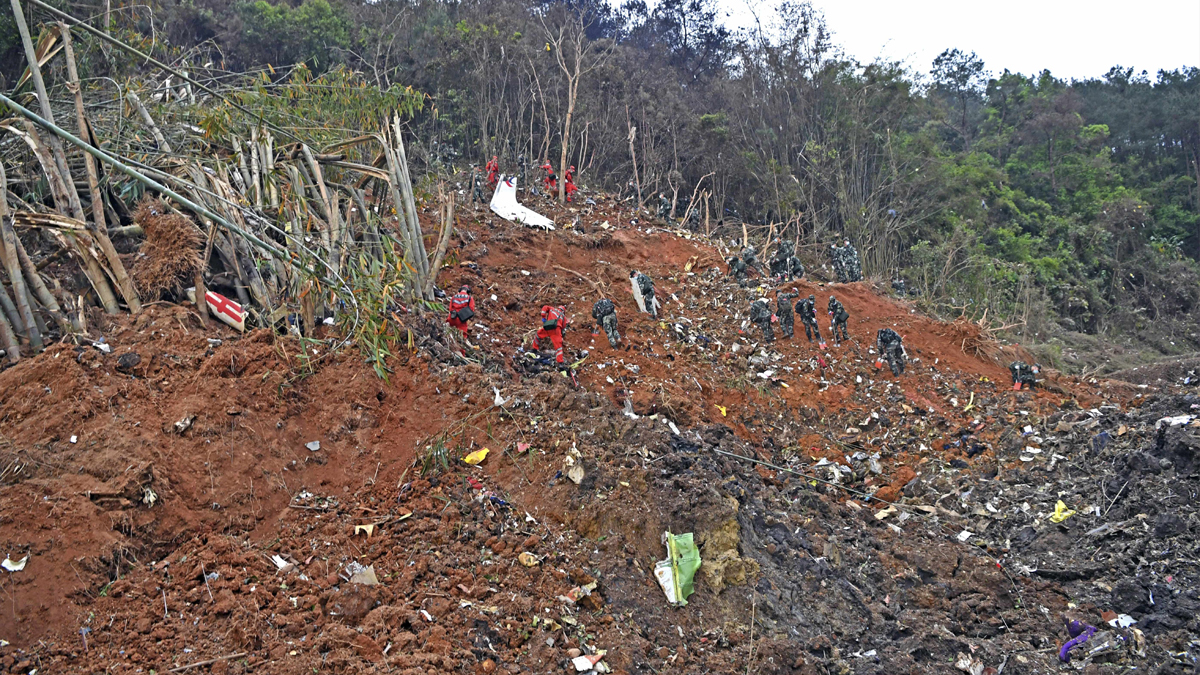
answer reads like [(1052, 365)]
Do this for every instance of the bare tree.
[(576, 56)]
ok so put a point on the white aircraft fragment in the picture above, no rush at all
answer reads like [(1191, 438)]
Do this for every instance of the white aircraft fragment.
[(504, 204)]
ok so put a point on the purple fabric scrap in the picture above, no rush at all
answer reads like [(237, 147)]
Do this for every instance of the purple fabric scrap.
[(1080, 633)]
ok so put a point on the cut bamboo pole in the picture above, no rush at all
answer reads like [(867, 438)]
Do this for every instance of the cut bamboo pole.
[(43, 101), (98, 229), (9, 251), (12, 316), (91, 268), (8, 339), (33, 279)]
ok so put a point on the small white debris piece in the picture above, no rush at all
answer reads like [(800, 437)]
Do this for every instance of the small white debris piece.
[(14, 566), (1122, 621), (74, 439), (313, 446), (965, 535), (576, 474)]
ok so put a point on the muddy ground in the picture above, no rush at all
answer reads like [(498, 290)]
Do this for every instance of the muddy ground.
[(849, 521)]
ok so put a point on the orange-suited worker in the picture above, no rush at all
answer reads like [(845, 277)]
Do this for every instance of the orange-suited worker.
[(462, 309), (554, 320), (493, 172)]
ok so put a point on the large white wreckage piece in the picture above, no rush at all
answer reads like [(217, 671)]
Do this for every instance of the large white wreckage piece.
[(504, 204)]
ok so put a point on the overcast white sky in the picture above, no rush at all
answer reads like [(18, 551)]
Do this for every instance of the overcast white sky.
[(1073, 38)]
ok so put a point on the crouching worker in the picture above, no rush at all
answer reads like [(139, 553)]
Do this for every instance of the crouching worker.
[(605, 314), (554, 322), (462, 309), (1024, 376)]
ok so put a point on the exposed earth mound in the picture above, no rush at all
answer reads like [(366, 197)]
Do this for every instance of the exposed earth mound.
[(192, 497)]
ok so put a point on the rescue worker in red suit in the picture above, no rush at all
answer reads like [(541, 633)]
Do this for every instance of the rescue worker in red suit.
[(569, 177), (554, 320), (493, 172), (550, 182), (458, 302)]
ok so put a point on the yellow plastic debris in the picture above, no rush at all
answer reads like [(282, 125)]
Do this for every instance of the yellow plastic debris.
[(1061, 512), (528, 559), (476, 457), (722, 409)]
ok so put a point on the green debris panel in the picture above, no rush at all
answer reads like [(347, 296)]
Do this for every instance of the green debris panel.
[(675, 574)]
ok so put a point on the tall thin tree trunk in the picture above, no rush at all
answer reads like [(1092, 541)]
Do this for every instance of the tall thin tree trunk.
[(572, 94)]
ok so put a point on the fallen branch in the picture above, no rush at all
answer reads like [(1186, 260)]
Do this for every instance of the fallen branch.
[(197, 664), (593, 283)]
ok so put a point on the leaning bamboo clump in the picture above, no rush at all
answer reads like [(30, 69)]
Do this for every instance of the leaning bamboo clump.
[(279, 225)]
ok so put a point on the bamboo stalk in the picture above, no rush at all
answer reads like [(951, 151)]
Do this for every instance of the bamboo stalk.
[(12, 316), (38, 322), (8, 339), (161, 140), (34, 280), (91, 268), (410, 205), (98, 228), (39, 85), (447, 213), (143, 179), (9, 251)]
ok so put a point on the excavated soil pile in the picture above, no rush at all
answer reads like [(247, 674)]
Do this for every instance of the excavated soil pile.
[(224, 502)]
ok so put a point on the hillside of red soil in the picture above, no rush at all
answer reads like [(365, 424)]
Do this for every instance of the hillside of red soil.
[(150, 498)]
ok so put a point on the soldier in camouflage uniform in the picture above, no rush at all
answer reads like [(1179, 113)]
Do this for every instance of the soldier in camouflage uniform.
[(1024, 376), (838, 257), (807, 309), (477, 186), (664, 206), (779, 262), (750, 257), (605, 314), (522, 170), (898, 286), (795, 269), (760, 313), (851, 262), (837, 320), (646, 287), (891, 348), (783, 309), (737, 267)]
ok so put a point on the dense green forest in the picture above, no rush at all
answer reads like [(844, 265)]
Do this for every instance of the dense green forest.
[(1067, 211)]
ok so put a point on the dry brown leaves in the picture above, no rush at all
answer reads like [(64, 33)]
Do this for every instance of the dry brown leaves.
[(171, 254)]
